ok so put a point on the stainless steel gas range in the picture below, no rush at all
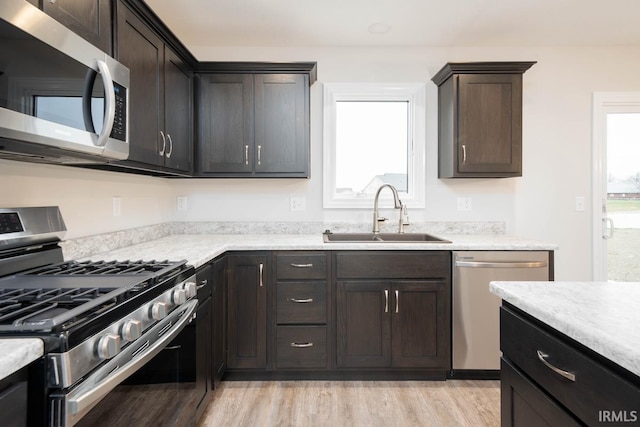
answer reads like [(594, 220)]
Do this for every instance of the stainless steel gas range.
[(106, 327)]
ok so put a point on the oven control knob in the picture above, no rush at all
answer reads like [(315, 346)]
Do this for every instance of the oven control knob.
[(108, 346), (179, 296), (159, 310), (131, 330), (191, 288)]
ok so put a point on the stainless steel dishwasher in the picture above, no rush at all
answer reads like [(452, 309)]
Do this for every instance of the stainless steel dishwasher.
[(476, 324)]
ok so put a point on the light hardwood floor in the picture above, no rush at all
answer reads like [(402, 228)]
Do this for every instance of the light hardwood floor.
[(355, 403)]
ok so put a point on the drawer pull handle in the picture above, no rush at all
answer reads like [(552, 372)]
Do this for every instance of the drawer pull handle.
[(300, 301), (302, 265), (543, 358), (301, 344)]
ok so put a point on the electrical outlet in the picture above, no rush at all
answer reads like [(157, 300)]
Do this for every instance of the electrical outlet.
[(464, 203), (579, 203), (297, 204), (181, 203), (117, 207)]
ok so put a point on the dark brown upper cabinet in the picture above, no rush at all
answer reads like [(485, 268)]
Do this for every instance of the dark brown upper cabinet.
[(90, 19), (480, 119), (253, 120), (160, 115)]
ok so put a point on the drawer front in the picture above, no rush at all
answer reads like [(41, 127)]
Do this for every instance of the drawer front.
[(301, 302), (393, 265), (594, 392), (301, 266), (301, 347)]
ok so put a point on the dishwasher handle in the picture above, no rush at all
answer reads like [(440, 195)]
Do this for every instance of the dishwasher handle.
[(502, 264)]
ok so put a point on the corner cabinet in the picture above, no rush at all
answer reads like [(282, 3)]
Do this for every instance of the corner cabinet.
[(253, 120), (393, 310), (160, 122), (480, 119)]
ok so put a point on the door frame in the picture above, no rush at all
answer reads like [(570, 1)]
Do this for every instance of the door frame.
[(603, 104)]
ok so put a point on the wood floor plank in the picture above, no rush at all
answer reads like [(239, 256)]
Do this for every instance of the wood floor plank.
[(454, 403)]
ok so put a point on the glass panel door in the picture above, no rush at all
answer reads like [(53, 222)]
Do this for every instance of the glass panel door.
[(622, 211)]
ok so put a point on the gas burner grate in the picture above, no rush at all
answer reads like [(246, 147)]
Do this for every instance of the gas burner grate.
[(37, 308), (104, 268)]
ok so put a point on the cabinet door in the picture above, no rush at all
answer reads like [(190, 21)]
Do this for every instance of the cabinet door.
[(489, 134), (218, 327), (90, 19), (363, 324), (524, 404), (142, 51), (247, 316), (420, 325), (178, 125), (226, 124), (281, 131)]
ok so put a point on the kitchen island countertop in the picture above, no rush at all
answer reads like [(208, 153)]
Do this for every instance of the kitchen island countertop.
[(602, 316), (197, 249), (16, 353)]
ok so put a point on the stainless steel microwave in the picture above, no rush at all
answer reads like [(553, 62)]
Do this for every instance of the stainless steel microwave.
[(62, 100)]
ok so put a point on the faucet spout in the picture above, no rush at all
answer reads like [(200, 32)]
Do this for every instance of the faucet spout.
[(397, 204)]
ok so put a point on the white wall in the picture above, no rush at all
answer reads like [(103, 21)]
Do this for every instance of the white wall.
[(556, 138)]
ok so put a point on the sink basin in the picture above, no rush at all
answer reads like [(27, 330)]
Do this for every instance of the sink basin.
[(382, 237)]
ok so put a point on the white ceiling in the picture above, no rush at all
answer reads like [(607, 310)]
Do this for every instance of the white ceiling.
[(411, 22)]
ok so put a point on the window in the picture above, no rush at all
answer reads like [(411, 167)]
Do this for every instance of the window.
[(374, 134)]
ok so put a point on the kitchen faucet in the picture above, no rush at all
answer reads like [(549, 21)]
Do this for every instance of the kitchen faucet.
[(404, 216)]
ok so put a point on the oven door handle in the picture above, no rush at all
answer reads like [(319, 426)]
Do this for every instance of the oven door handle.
[(99, 384)]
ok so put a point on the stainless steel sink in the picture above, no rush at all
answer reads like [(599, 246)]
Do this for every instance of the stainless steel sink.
[(382, 237)]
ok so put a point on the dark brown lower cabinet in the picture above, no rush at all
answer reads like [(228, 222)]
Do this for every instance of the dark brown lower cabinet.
[(549, 379), (203, 340), (247, 282), (393, 323), (218, 324), (524, 404)]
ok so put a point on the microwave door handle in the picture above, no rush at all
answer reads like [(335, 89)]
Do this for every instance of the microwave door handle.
[(109, 104), (87, 112)]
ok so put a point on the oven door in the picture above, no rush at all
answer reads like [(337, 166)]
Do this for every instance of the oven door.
[(113, 391)]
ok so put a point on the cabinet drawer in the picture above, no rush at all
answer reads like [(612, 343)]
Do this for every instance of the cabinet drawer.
[(301, 266), (393, 265), (301, 302), (301, 347), (595, 388)]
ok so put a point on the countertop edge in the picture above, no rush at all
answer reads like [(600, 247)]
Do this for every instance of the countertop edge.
[(16, 353), (608, 335)]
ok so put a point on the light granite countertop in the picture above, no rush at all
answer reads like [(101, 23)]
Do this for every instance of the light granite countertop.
[(197, 249), (16, 353), (603, 316)]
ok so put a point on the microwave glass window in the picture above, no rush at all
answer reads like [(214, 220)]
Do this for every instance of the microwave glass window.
[(67, 110)]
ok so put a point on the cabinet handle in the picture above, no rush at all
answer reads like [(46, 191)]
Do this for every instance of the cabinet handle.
[(302, 265), (568, 375), (386, 300), (259, 155), (261, 269), (397, 303), (301, 344), (464, 154), (164, 144), (246, 154), (203, 284), (300, 301), (170, 150)]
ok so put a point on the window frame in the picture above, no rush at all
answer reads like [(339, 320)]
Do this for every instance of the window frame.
[(415, 95)]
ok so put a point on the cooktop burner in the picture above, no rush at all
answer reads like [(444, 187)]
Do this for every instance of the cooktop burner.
[(59, 296)]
